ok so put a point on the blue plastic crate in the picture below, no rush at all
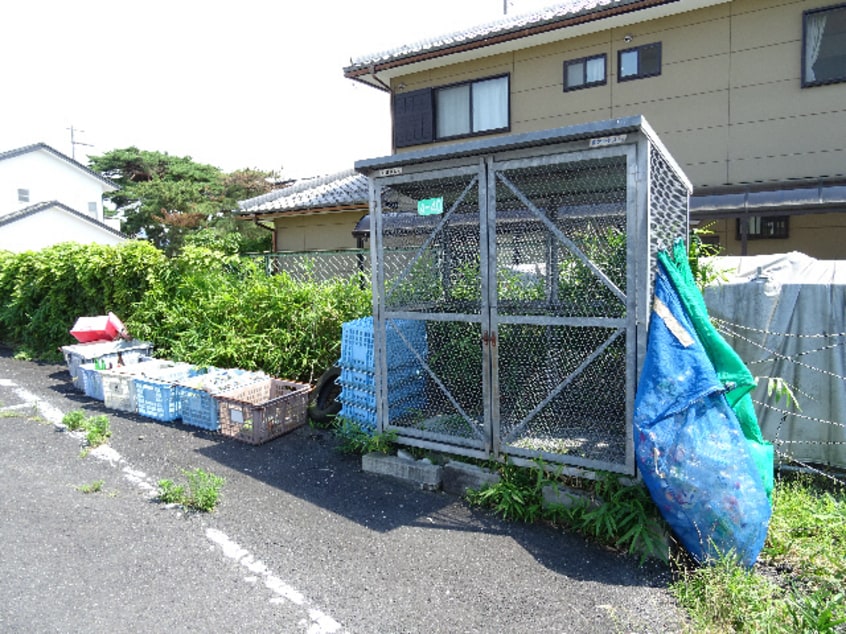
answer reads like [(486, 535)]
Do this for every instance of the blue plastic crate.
[(361, 415), (197, 402), (92, 381), (197, 408), (156, 396), (157, 399), (396, 393), (357, 343)]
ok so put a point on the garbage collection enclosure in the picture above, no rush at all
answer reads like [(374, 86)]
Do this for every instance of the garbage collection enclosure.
[(511, 283)]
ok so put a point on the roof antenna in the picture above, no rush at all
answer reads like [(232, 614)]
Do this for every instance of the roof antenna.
[(74, 142)]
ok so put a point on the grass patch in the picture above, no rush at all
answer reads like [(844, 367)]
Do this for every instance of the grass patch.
[(618, 515), (93, 487), (97, 428), (797, 584), (201, 491)]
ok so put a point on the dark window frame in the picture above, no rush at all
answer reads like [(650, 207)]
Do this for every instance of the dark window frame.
[(806, 83), (505, 128), (584, 61), (779, 228), (639, 50)]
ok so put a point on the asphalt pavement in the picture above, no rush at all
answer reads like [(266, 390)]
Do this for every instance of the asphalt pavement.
[(302, 541)]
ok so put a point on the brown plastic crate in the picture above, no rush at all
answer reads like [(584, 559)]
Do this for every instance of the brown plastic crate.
[(262, 411)]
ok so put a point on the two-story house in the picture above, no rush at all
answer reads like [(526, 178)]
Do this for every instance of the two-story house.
[(749, 96), (47, 197)]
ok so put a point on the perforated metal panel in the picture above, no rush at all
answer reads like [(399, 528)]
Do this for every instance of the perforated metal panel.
[(511, 288)]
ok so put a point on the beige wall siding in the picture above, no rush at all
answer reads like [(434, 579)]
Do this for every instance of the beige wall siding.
[(820, 235), (728, 104), (317, 232)]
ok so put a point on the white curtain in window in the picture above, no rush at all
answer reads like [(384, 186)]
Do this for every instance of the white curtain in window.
[(595, 70), (814, 29), (490, 104), (453, 111), (575, 74)]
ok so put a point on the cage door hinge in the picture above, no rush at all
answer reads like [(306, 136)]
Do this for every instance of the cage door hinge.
[(489, 338)]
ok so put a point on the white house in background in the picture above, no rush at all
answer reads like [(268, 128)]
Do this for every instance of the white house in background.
[(47, 197)]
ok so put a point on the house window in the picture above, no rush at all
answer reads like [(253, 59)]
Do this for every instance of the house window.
[(23, 195), (763, 227), (584, 72), (430, 114), (92, 209), (471, 108), (824, 46), (639, 62)]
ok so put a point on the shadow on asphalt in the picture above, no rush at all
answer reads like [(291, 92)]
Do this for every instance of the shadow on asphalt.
[(306, 463)]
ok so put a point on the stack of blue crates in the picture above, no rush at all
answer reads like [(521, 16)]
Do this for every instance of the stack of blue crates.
[(406, 382)]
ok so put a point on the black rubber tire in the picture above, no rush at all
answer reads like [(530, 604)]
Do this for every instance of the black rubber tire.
[(324, 397)]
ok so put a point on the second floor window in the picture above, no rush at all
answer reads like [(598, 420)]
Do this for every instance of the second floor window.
[(23, 195), (638, 62), (584, 73), (824, 46), (92, 209), (471, 108)]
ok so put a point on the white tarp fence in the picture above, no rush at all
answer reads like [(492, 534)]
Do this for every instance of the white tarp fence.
[(784, 315)]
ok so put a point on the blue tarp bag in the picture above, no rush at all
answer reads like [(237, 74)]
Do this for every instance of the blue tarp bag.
[(689, 446)]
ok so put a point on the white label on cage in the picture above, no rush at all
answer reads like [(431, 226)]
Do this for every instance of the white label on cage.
[(236, 415), (390, 171), (607, 140)]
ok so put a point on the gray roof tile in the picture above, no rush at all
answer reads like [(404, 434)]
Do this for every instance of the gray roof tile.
[(333, 190), (512, 24)]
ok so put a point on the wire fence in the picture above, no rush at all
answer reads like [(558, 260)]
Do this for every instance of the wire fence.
[(801, 394)]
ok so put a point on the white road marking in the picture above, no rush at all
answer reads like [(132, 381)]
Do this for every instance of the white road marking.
[(318, 622)]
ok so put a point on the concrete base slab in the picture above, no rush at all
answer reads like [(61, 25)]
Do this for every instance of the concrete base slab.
[(426, 475), (458, 477)]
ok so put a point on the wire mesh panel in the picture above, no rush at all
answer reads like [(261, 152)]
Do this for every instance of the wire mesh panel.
[(525, 266), (561, 290), (435, 387)]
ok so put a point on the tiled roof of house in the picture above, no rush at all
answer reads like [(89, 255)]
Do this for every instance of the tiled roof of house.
[(43, 146), (513, 26), (39, 207), (344, 189)]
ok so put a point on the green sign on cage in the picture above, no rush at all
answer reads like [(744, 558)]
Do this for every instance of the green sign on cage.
[(430, 206)]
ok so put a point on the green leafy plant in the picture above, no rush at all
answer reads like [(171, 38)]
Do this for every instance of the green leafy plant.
[(170, 492), (517, 496), (97, 430), (621, 515), (202, 492), (93, 487), (356, 439), (74, 420), (699, 251)]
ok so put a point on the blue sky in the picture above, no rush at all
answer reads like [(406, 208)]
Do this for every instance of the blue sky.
[(234, 84)]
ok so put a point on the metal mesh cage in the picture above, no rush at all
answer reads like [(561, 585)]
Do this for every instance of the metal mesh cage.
[(525, 274)]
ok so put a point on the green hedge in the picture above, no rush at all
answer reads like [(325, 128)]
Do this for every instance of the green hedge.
[(203, 306)]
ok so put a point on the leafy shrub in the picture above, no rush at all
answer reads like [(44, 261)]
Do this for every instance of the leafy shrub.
[(43, 293), (203, 306)]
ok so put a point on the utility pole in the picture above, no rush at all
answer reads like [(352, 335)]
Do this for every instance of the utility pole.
[(74, 142)]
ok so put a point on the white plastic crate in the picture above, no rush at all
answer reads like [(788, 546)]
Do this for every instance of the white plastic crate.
[(112, 353)]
